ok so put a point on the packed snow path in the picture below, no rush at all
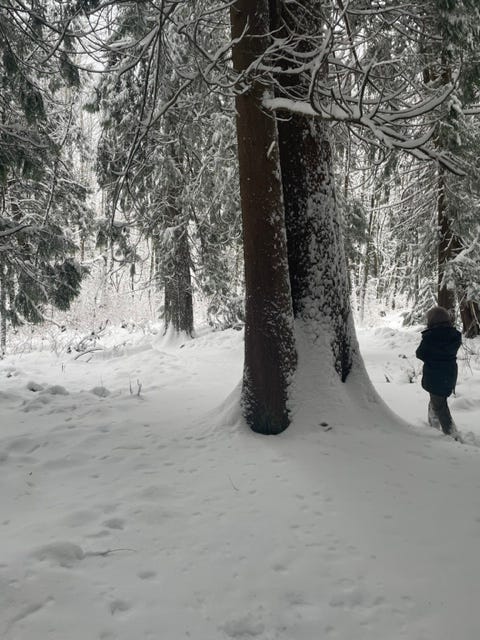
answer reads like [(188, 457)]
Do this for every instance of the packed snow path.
[(134, 508)]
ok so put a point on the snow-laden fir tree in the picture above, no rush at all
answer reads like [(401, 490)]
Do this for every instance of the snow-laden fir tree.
[(166, 161), (41, 200)]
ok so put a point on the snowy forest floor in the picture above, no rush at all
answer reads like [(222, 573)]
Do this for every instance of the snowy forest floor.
[(136, 506)]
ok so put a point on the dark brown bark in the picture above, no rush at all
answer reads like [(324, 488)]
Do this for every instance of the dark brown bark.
[(449, 246), (469, 313), (270, 356)]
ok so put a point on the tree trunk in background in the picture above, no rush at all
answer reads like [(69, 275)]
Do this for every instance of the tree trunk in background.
[(446, 247), (369, 249), (470, 314), (270, 356), (3, 314), (318, 273), (178, 312)]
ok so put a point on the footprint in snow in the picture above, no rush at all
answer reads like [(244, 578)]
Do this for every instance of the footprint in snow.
[(245, 627), (79, 518), (147, 574), (348, 598), (119, 606), (62, 554), (37, 403), (23, 445), (115, 523)]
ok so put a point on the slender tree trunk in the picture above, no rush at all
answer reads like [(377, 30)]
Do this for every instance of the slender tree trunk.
[(449, 246), (470, 314), (178, 311), (3, 314), (270, 356), (446, 247), (367, 260)]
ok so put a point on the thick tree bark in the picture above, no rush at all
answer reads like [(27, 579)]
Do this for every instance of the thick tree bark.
[(316, 257), (470, 314), (448, 247), (270, 356)]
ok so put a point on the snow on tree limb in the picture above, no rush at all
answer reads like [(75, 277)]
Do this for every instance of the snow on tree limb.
[(391, 138)]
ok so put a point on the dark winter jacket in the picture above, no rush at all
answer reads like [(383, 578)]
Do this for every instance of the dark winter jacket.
[(438, 350)]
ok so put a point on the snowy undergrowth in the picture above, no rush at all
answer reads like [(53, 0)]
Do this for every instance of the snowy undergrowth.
[(155, 513)]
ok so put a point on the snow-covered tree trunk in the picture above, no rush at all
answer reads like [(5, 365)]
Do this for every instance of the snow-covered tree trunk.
[(3, 311), (178, 312), (446, 247), (318, 272), (270, 355), (470, 314), (367, 263)]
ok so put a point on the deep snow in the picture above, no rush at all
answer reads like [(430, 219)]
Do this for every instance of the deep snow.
[(135, 504)]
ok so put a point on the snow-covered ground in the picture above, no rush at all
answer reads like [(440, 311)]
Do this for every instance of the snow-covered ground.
[(135, 505)]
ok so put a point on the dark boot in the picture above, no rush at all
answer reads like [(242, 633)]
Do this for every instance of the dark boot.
[(441, 411)]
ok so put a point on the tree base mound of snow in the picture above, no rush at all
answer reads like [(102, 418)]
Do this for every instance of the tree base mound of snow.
[(171, 339), (320, 399)]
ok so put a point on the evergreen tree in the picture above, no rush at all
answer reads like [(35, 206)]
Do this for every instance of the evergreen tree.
[(457, 200), (40, 198), (158, 170), (350, 75)]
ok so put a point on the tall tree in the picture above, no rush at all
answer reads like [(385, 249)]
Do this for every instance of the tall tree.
[(40, 196), (315, 243), (340, 70), (455, 54), (270, 355)]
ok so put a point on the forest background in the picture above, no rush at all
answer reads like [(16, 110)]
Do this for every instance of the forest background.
[(274, 164)]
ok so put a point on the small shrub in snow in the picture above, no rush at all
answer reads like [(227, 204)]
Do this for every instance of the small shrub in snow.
[(34, 386), (101, 392), (56, 390)]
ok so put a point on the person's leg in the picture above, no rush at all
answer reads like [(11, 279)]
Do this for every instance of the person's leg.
[(440, 409), (433, 420)]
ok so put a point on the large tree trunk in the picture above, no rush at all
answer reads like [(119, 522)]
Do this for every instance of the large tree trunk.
[(316, 257), (270, 356), (318, 273)]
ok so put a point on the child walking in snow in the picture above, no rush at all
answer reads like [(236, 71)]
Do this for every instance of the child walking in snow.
[(438, 350)]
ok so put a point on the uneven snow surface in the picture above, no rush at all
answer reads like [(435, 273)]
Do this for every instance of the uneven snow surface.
[(135, 504)]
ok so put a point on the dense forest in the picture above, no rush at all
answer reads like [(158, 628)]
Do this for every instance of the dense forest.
[(287, 164)]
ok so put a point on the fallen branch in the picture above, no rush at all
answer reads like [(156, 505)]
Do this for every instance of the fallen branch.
[(88, 351)]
